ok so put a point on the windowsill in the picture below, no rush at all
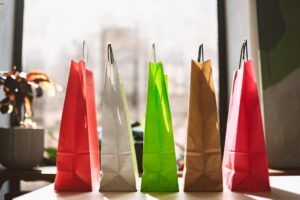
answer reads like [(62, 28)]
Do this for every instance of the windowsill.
[(284, 172)]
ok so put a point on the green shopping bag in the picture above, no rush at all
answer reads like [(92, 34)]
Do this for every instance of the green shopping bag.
[(159, 162)]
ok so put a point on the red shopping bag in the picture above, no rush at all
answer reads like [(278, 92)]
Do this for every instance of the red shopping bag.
[(245, 165), (78, 167)]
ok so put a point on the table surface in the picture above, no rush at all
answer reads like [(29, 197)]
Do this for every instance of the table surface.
[(283, 187)]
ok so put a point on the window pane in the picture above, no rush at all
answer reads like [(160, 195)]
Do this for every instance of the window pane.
[(54, 31)]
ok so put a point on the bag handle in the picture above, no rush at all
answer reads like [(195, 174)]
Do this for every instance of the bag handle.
[(110, 55), (244, 53), (110, 60), (85, 51), (153, 58), (200, 53)]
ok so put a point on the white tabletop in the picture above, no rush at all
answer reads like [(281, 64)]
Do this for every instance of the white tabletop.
[(283, 187)]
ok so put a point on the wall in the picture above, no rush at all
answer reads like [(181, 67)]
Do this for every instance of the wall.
[(6, 42), (272, 28), (279, 31), (241, 24), (6, 53)]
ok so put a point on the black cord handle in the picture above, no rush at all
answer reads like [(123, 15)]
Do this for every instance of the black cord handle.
[(200, 53), (244, 53), (110, 55)]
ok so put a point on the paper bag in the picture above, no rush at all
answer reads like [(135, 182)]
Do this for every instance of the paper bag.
[(203, 165), (245, 165), (78, 150), (159, 162), (118, 160)]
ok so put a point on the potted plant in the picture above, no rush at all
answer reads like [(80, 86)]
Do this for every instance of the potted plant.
[(22, 145)]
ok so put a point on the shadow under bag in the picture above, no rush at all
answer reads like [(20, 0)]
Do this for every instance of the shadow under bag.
[(245, 164), (203, 165), (118, 160), (78, 150)]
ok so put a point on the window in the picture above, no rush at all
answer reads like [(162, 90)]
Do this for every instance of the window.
[(54, 31)]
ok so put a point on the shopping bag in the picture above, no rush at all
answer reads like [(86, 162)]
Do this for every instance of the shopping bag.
[(203, 165), (159, 162), (245, 165), (78, 150), (118, 160)]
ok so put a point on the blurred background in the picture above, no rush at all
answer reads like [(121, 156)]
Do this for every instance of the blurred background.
[(53, 33)]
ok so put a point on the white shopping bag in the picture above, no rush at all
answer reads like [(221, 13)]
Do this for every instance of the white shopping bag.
[(118, 159)]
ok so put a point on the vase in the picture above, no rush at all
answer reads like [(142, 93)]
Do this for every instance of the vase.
[(21, 148)]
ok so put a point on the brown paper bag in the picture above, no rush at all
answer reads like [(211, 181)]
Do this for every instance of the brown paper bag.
[(203, 168)]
